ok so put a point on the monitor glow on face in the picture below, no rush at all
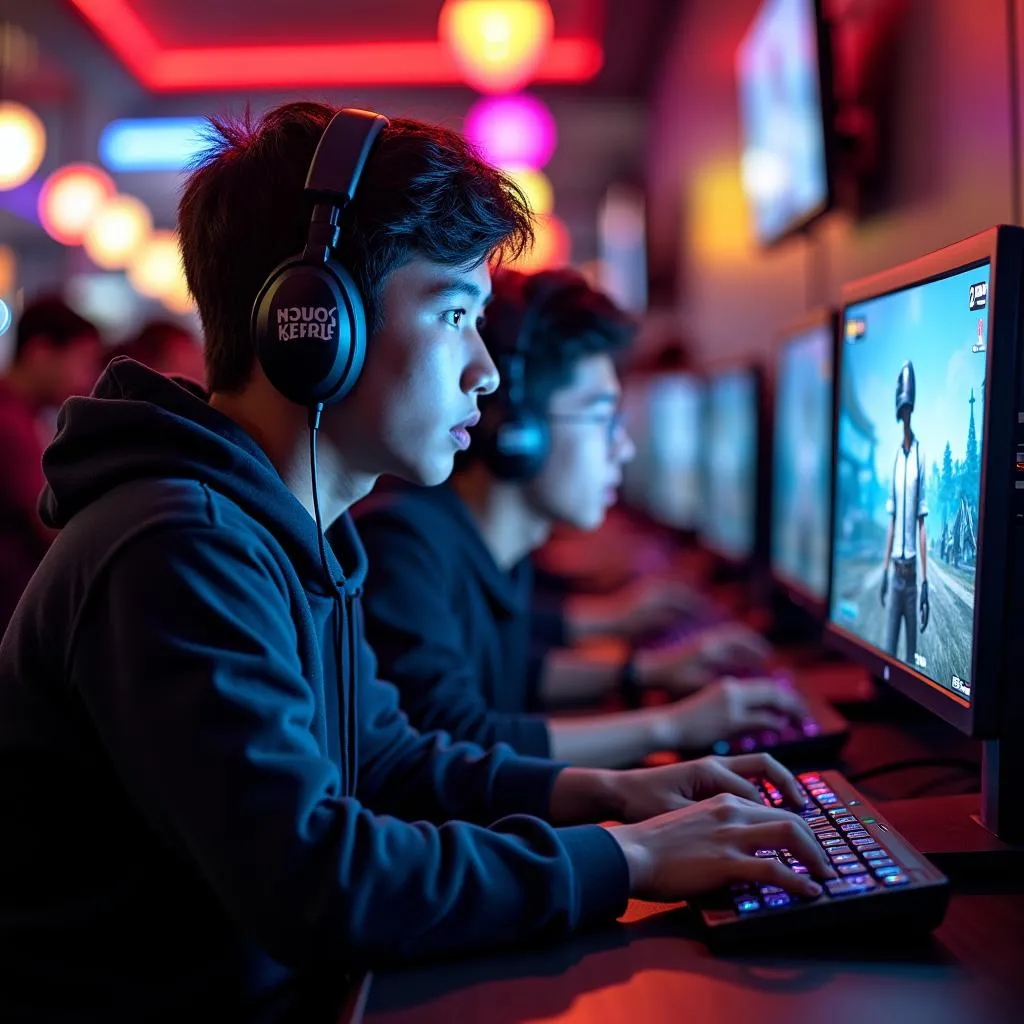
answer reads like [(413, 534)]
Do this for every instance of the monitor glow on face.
[(910, 448)]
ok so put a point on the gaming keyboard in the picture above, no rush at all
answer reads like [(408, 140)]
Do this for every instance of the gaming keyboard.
[(883, 882), (818, 735)]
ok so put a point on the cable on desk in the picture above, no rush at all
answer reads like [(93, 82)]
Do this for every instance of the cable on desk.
[(915, 762)]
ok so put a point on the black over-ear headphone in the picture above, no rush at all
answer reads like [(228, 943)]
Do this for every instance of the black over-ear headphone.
[(515, 440), (309, 320)]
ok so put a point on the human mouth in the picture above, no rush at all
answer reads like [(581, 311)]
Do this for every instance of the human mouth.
[(460, 432)]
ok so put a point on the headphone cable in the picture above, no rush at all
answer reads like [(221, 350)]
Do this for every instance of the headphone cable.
[(314, 426)]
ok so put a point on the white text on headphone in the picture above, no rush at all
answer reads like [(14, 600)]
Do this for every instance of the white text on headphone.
[(306, 322)]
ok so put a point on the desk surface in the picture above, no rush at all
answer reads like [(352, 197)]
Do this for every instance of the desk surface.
[(651, 967)]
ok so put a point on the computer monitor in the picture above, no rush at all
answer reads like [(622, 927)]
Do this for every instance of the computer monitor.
[(784, 93), (801, 520), (730, 470), (662, 414), (928, 520)]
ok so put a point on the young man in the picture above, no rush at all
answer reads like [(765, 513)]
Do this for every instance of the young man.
[(211, 805), (907, 509), (449, 587), (56, 355)]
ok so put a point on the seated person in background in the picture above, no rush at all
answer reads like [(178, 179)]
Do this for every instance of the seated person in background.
[(169, 348), (212, 807), (448, 593), (56, 355)]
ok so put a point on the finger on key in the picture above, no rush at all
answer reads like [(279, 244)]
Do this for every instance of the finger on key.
[(790, 833), (769, 871)]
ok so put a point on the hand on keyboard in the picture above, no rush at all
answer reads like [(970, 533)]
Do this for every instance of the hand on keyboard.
[(712, 844), (702, 657), (730, 707)]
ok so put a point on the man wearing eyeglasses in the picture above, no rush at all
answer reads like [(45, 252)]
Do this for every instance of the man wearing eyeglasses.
[(449, 594)]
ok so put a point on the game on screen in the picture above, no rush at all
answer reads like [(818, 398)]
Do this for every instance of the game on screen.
[(911, 410)]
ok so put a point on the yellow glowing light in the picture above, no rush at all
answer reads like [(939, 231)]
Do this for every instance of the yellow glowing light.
[(70, 199), (8, 270), (177, 297), (22, 144), (718, 215), (497, 44), (551, 248), (155, 268), (117, 232), (536, 187)]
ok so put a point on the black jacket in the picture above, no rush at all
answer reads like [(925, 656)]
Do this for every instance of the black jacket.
[(451, 629), (208, 797)]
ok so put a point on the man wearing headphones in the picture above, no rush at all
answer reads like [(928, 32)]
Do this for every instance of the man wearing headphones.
[(211, 804), (448, 592), (907, 509)]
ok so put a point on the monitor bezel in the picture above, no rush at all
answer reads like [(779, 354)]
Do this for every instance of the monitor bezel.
[(794, 589), (827, 110), (725, 368), (1003, 248)]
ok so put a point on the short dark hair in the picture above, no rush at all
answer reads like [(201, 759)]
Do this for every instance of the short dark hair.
[(50, 317), (425, 192), (569, 321)]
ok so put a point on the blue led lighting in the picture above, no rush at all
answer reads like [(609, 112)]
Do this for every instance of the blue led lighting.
[(152, 143)]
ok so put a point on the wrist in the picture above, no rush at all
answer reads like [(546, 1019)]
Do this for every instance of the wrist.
[(582, 796), (665, 730), (638, 861)]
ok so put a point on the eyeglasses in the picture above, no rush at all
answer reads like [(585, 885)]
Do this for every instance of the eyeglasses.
[(612, 423)]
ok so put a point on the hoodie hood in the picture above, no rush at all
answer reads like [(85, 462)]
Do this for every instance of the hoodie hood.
[(138, 423)]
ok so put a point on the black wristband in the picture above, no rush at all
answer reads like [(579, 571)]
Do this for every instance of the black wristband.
[(629, 682)]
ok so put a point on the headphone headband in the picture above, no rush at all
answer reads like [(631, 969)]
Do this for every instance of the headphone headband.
[(341, 155)]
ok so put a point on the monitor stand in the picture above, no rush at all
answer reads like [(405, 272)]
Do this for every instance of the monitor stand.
[(973, 839)]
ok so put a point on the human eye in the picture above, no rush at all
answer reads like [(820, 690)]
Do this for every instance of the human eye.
[(453, 317)]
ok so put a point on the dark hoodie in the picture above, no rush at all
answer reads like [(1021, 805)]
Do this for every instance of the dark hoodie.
[(209, 802)]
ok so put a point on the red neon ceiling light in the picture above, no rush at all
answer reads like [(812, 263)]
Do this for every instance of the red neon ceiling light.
[(181, 69)]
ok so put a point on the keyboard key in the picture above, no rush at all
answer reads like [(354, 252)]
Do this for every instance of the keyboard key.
[(766, 853), (852, 825), (747, 906), (798, 869), (767, 890), (875, 854), (836, 812), (837, 887), (779, 899), (827, 843), (894, 880), (844, 819), (887, 870), (858, 833), (852, 868), (818, 819), (845, 858), (864, 844), (881, 862)]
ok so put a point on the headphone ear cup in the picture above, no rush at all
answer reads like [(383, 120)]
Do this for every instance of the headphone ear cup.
[(309, 331), (514, 444)]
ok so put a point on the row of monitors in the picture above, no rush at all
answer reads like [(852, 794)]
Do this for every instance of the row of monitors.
[(896, 440)]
